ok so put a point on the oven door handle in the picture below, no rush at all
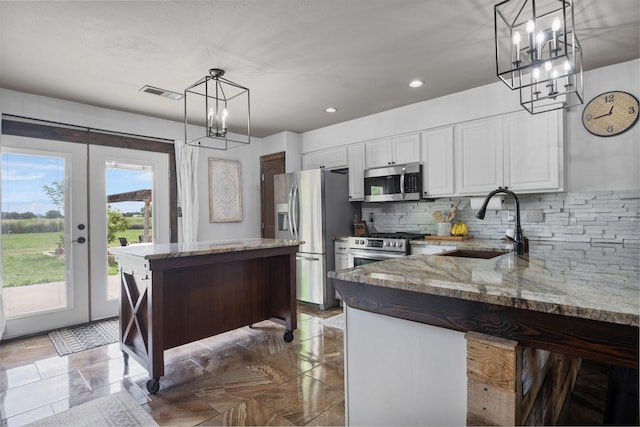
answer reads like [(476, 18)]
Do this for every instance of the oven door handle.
[(402, 173), (375, 254)]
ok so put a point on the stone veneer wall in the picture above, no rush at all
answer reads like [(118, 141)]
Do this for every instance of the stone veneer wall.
[(582, 217)]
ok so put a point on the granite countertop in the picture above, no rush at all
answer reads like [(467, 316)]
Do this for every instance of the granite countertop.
[(175, 250), (599, 282)]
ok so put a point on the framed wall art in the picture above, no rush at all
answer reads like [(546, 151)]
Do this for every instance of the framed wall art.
[(225, 191)]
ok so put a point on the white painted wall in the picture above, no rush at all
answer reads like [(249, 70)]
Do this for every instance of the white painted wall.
[(592, 163), (290, 143), (596, 163)]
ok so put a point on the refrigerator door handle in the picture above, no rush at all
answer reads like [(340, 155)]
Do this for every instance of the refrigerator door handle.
[(290, 213), (307, 258), (404, 170), (296, 211)]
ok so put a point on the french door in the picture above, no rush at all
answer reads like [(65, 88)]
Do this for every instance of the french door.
[(45, 255), (56, 197)]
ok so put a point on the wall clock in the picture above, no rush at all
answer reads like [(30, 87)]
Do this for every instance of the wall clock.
[(610, 113)]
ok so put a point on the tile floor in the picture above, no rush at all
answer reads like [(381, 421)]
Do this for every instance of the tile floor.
[(243, 377)]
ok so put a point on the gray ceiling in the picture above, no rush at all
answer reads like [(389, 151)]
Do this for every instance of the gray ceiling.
[(296, 56)]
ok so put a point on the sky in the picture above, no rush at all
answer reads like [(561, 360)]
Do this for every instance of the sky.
[(23, 178)]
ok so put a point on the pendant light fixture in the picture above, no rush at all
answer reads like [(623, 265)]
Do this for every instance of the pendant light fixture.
[(217, 105), (538, 53)]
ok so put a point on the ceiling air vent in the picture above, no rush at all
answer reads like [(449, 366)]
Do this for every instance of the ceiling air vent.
[(162, 92)]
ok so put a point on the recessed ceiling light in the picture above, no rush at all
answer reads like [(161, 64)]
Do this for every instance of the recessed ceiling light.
[(162, 92), (415, 83), (330, 109)]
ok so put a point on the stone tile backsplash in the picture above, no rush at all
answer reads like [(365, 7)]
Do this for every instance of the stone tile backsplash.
[(584, 217)]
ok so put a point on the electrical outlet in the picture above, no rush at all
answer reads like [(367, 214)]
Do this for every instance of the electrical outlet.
[(534, 215)]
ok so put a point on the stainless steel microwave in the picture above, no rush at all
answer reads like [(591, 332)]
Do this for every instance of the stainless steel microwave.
[(393, 183)]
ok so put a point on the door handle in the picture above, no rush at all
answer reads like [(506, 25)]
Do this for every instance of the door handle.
[(79, 240)]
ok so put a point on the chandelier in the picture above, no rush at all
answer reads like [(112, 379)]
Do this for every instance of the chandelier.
[(213, 107), (537, 52)]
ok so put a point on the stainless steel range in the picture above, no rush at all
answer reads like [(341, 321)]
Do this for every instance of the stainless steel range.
[(378, 247)]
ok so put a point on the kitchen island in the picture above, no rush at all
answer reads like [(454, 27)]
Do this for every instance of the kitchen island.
[(579, 300), (173, 294)]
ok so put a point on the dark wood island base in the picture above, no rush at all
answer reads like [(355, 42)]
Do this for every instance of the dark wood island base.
[(187, 296)]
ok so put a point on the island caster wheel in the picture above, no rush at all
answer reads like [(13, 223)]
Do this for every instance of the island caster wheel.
[(153, 385), (288, 336)]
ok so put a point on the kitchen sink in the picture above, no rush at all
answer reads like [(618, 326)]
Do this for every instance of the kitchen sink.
[(474, 253)]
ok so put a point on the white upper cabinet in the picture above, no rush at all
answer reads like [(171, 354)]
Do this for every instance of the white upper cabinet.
[(533, 151), (520, 151), (379, 153), (406, 149), (403, 149), (479, 156), (356, 160), (437, 163), (313, 160), (333, 158)]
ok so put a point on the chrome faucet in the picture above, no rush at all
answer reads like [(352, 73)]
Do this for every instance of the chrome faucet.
[(518, 238)]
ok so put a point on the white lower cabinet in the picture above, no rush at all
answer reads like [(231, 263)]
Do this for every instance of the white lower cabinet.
[(341, 260), (341, 257), (403, 373)]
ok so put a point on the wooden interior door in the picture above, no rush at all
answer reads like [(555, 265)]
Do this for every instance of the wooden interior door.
[(270, 165)]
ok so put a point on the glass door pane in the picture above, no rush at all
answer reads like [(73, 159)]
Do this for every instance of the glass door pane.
[(34, 265), (129, 212), (129, 205)]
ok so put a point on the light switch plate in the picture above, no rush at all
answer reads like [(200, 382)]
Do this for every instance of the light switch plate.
[(533, 215)]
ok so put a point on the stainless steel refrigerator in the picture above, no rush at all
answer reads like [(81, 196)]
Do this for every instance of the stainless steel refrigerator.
[(313, 206)]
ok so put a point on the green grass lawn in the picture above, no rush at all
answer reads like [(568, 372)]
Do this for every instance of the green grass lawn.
[(26, 258)]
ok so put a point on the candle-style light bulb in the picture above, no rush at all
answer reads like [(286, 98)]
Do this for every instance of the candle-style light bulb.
[(539, 41), (536, 77), (516, 42), (210, 116), (567, 71), (225, 115), (552, 83), (531, 27), (555, 27), (547, 66)]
